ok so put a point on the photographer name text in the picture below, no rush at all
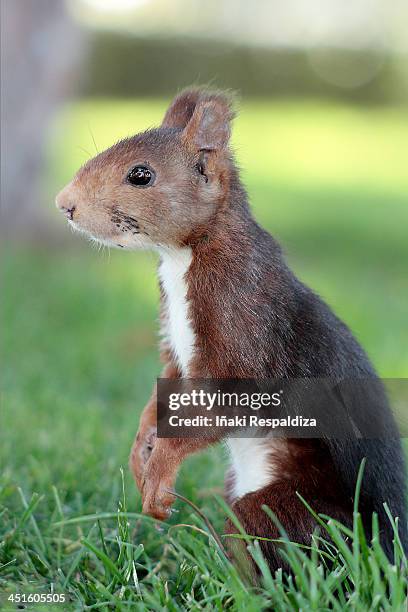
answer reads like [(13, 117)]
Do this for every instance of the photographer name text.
[(240, 421)]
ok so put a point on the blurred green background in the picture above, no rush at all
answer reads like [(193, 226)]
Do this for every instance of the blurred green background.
[(325, 166)]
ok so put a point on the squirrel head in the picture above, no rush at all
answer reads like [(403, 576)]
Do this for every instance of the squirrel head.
[(161, 187)]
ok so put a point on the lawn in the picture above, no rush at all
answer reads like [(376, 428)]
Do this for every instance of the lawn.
[(79, 331)]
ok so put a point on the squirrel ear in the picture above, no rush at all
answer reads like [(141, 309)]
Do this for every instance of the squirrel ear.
[(181, 109), (210, 125)]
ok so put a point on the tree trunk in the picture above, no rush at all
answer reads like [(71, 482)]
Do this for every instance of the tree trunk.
[(41, 50)]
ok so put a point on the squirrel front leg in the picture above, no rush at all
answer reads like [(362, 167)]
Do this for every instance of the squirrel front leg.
[(147, 433), (160, 472)]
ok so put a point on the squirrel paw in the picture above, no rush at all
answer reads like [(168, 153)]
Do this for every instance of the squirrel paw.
[(156, 493)]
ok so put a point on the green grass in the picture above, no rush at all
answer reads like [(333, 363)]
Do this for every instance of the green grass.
[(79, 341)]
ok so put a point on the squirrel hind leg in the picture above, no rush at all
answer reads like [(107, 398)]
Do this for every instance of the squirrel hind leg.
[(291, 513)]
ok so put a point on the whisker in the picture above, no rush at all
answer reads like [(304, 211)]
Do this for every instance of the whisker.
[(89, 155), (121, 213), (92, 136)]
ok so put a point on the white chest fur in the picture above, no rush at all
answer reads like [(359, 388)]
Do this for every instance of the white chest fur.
[(252, 463), (250, 457), (178, 328)]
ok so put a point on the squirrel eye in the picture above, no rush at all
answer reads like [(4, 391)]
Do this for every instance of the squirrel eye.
[(140, 176)]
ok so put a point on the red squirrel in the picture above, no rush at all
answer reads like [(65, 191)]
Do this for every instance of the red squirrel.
[(231, 308)]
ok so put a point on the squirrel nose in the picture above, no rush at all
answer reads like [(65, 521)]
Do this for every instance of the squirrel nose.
[(68, 212), (64, 204)]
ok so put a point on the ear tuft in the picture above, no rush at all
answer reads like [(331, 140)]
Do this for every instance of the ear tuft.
[(210, 125), (181, 109), (204, 116)]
